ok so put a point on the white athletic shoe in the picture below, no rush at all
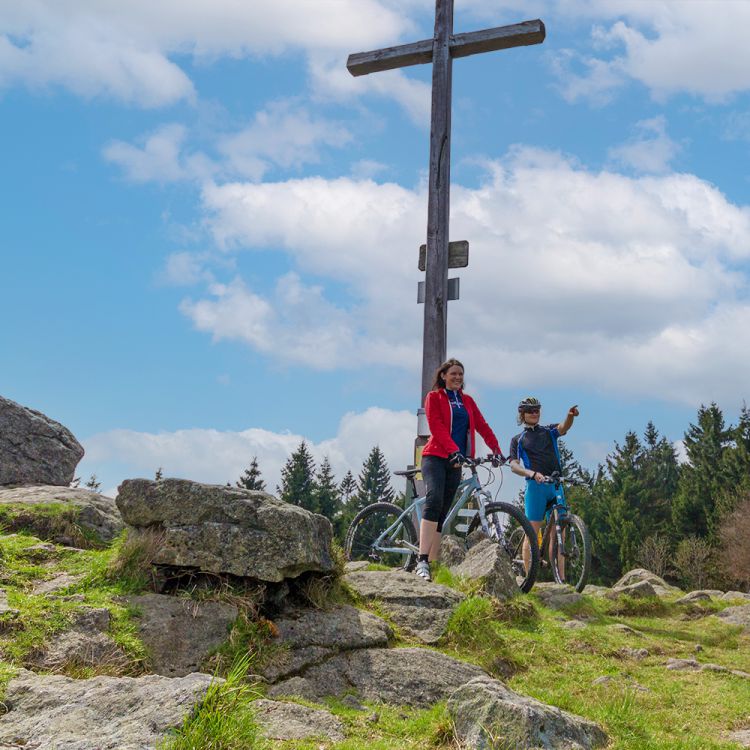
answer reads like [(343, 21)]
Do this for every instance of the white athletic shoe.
[(423, 570)]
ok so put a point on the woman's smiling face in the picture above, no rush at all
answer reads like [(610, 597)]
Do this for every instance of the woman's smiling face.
[(454, 378)]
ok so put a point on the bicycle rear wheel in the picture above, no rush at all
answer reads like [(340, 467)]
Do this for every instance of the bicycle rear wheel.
[(575, 565), (508, 526), (393, 550)]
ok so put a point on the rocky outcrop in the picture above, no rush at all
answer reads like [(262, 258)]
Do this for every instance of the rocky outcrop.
[(729, 596), (35, 449), (737, 616), (290, 721), (412, 676), (103, 713), (219, 529), (65, 515), (701, 595), (180, 633), (557, 595), (637, 590), (489, 565), (660, 586), (419, 608), (452, 550), (310, 636), (487, 714)]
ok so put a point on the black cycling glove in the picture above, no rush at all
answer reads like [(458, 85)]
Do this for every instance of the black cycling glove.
[(457, 458)]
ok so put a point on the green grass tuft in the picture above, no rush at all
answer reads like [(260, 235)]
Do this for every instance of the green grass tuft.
[(224, 719)]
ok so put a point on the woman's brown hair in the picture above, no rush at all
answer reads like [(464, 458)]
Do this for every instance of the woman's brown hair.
[(439, 382)]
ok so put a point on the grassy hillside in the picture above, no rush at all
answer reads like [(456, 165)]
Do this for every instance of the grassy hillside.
[(642, 705)]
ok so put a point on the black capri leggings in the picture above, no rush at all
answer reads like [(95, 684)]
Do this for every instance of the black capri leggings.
[(441, 480)]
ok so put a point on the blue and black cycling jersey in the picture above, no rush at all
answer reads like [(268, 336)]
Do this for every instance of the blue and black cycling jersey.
[(536, 447)]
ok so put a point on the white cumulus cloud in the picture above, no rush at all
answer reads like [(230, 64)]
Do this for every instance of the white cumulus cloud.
[(132, 51), (575, 277), (217, 457)]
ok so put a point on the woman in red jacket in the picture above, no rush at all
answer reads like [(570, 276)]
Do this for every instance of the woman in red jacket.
[(453, 418)]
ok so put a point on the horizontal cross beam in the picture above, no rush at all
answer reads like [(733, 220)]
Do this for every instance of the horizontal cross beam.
[(462, 45)]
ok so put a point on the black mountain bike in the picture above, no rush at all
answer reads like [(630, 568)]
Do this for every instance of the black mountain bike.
[(565, 540)]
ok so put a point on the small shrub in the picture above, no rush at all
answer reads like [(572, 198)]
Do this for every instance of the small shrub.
[(734, 551), (693, 562), (655, 554)]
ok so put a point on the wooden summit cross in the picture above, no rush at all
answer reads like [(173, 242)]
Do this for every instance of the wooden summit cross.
[(440, 51)]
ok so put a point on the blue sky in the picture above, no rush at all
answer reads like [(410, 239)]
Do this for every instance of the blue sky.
[(210, 229)]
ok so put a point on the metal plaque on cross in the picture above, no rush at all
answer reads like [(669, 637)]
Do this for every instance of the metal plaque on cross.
[(458, 255)]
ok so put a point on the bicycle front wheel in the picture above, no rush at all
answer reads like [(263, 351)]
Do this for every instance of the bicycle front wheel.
[(365, 538), (508, 526), (572, 564)]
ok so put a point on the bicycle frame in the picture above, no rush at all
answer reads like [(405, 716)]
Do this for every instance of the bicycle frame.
[(467, 489), (552, 517)]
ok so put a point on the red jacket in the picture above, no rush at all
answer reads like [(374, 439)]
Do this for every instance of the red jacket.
[(439, 418)]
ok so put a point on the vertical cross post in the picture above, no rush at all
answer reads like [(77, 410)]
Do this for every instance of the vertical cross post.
[(435, 334), (440, 51)]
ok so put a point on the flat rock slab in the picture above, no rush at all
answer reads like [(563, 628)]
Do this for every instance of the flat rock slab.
[(489, 564), (312, 635), (737, 616), (487, 714), (35, 449), (91, 511), (220, 529), (58, 582), (180, 633), (412, 676), (696, 666), (103, 713), (420, 608), (557, 595), (84, 644), (621, 627), (290, 721)]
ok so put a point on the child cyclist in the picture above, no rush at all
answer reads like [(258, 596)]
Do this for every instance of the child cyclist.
[(534, 455)]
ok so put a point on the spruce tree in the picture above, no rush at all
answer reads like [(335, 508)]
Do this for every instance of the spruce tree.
[(735, 468), (374, 482), (347, 487), (327, 496), (298, 479), (251, 478), (702, 482)]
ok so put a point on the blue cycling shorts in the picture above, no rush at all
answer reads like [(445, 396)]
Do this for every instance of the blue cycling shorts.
[(536, 498)]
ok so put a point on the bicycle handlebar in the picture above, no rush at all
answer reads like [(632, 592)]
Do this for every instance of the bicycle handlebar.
[(556, 478), (491, 459)]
